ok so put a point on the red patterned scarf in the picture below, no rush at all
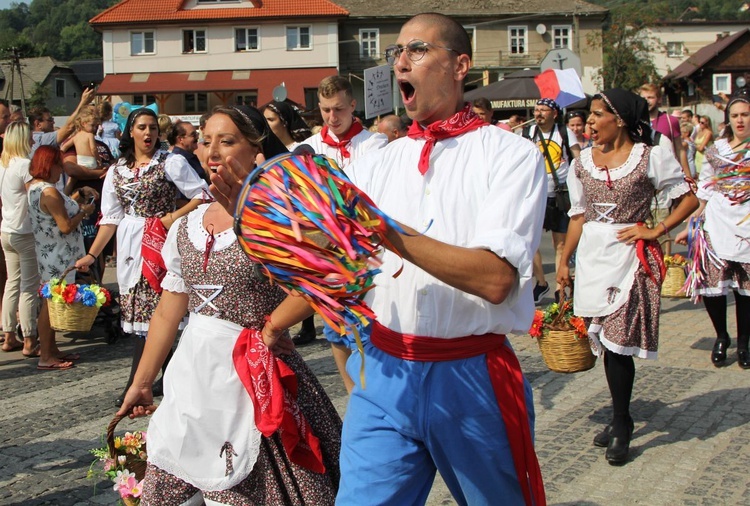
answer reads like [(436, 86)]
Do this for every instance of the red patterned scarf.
[(154, 269), (272, 386), (344, 140), (463, 121)]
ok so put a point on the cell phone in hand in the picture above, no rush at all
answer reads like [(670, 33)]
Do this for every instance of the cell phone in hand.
[(91, 200)]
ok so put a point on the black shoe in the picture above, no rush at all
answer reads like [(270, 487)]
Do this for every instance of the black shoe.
[(743, 359), (539, 292), (602, 439), (304, 337), (119, 400), (719, 352), (157, 389), (619, 447)]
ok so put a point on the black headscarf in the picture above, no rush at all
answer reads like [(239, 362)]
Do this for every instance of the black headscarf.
[(127, 145), (632, 110), (291, 119), (270, 144)]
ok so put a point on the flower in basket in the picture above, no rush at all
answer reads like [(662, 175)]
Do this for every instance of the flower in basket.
[(675, 260), (61, 292), (544, 318), (130, 449)]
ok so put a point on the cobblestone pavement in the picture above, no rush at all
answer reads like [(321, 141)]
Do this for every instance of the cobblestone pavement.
[(690, 442)]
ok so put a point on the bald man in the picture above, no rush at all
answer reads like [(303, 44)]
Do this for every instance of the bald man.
[(392, 126)]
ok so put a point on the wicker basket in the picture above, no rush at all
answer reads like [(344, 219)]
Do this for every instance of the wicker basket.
[(673, 282), (71, 317), (133, 463), (561, 349)]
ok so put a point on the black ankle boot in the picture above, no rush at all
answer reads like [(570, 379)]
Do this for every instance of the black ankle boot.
[(719, 352), (619, 444), (743, 355), (602, 439)]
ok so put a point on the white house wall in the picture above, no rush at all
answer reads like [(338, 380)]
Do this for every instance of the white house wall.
[(220, 53)]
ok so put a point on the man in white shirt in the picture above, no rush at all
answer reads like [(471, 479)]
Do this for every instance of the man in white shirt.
[(342, 139)]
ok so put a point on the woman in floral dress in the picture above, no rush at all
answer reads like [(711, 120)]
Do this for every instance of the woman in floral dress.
[(139, 203), (619, 264), (207, 441), (56, 224)]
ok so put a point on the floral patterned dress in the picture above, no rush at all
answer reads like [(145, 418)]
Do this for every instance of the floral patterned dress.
[(192, 424), (615, 293), (55, 251), (129, 196)]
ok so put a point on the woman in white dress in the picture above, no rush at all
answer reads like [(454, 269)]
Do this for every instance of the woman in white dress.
[(727, 234), (619, 264), (139, 204), (204, 441)]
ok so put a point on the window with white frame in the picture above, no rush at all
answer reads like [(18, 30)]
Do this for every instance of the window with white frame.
[(472, 32), (246, 39), (143, 100), (194, 41), (141, 43), (60, 88), (675, 49), (722, 83), (561, 36), (518, 39), (369, 43), (247, 98), (298, 37), (196, 102)]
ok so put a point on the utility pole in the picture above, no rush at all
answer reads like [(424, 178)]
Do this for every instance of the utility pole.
[(15, 67)]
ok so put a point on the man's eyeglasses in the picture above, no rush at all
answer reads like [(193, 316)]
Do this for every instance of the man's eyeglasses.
[(415, 51)]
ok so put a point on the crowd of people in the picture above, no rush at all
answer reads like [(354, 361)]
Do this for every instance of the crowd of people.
[(445, 391)]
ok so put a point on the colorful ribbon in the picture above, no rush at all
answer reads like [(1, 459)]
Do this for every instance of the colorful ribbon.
[(314, 233)]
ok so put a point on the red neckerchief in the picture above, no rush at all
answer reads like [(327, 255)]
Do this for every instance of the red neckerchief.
[(153, 268), (463, 121), (272, 385), (343, 140)]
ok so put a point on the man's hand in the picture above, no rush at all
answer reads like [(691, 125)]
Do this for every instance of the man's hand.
[(87, 96)]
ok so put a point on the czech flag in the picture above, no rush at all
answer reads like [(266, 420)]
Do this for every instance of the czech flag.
[(562, 86)]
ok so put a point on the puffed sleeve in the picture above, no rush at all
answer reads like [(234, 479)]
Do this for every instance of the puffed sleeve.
[(183, 176), (665, 173), (705, 189), (112, 210), (575, 189), (173, 281)]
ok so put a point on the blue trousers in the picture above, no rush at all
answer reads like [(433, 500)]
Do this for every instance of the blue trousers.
[(413, 418)]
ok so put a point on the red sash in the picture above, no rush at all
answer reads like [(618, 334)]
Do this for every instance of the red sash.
[(641, 248), (153, 269), (343, 141), (507, 382), (272, 385), (463, 121)]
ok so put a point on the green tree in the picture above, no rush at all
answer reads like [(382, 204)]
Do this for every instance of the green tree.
[(625, 47), (38, 97)]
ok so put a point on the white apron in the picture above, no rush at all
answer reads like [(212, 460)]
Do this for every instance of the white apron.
[(205, 405), (605, 270), (129, 259)]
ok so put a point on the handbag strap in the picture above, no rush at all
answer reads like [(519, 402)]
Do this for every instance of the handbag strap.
[(538, 133)]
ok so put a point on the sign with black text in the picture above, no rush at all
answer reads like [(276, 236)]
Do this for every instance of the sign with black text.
[(378, 91)]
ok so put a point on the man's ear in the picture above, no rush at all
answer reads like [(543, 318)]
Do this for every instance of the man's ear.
[(462, 67)]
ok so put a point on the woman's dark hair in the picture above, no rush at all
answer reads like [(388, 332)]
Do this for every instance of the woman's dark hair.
[(127, 145), (43, 160), (575, 114), (291, 119), (631, 109)]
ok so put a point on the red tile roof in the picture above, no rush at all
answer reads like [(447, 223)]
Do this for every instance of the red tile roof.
[(264, 81), (166, 11)]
